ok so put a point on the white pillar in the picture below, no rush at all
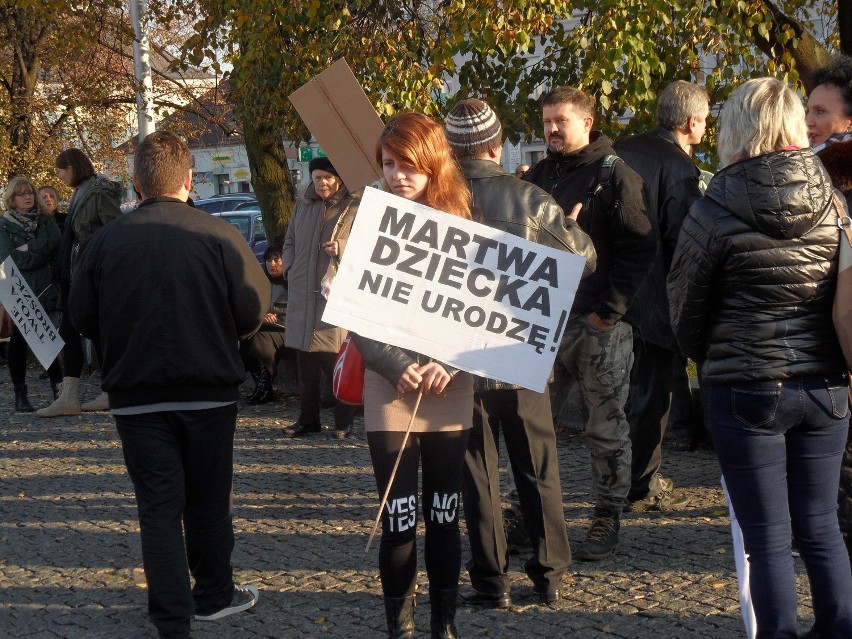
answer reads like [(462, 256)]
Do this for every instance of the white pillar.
[(142, 67)]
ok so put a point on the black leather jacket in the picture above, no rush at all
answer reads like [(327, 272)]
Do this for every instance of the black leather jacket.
[(671, 186), (504, 202), (753, 276), (391, 361)]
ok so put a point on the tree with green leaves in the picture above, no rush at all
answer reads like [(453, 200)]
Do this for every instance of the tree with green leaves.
[(623, 52), (401, 52)]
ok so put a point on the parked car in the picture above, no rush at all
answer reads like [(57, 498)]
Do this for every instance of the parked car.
[(225, 202), (250, 223)]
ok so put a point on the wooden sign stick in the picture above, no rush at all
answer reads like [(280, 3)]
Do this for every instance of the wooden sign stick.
[(395, 466)]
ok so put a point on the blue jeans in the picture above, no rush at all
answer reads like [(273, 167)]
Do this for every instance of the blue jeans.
[(779, 446)]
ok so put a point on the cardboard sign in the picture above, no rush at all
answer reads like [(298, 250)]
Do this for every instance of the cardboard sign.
[(477, 298), (28, 314), (337, 112)]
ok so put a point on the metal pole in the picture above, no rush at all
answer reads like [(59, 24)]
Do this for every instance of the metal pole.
[(142, 68)]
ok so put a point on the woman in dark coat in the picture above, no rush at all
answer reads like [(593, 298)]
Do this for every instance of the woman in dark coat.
[(830, 130), (94, 204), (31, 238), (751, 290)]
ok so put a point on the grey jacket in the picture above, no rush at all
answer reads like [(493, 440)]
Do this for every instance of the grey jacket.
[(305, 263), (94, 205)]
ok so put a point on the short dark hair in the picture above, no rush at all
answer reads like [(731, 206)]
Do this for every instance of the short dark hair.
[(161, 162), (839, 73), (577, 98), (272, 251), (79, 163)]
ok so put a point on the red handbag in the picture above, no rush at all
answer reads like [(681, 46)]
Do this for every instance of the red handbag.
[(348, 379)]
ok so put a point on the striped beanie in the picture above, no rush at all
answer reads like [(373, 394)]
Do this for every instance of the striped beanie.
[(472, 128)]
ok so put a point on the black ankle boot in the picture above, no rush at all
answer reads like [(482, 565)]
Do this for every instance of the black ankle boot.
[(400, 615), (254, 378), (263, 392), (443, 604), (22, 404)]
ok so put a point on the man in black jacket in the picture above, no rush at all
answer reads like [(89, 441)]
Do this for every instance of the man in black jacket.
[(597, 346), (662, 158), (168, 291), (507, 203)]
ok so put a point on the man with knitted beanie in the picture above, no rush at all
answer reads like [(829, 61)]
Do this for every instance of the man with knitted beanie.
[(504, 202)]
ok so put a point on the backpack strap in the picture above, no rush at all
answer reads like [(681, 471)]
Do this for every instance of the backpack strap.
[(605, 173), (604, 179)]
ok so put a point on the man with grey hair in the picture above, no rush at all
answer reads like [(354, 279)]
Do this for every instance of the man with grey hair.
[(662, 158), (523, 417), (169, 291)]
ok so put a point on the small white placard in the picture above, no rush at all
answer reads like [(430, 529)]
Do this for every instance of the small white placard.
[(28, 314)]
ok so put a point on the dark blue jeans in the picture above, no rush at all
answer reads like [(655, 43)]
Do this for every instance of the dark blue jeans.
[(181, 465), (779, 446)]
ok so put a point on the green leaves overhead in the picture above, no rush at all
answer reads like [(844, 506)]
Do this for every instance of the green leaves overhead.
[(622, 52)]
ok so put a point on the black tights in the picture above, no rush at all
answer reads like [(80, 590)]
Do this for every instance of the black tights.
[(16, 353), (72, 352), (442, 455)]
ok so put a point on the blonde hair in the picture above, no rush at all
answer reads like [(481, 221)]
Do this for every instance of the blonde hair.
[(761, 116), (420, 142), (19, 186)]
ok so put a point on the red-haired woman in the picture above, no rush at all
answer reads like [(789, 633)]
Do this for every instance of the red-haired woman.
[(418, 165)]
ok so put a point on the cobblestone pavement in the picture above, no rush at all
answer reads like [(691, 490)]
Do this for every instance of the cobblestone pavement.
[(70, 560)]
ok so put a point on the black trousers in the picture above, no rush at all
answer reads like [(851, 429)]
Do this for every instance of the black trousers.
[(16, 354), (647, 406), (72, 352), (442, 456), (181, 465), (525, 420), (312, 367), (261, 351)]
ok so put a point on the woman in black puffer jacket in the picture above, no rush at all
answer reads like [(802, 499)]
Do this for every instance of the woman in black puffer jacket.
[(751, 289)]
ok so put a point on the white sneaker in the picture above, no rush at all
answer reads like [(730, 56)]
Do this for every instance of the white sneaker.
[(244, 598)]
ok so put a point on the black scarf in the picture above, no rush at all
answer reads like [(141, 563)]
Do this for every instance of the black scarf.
[(28, 220)]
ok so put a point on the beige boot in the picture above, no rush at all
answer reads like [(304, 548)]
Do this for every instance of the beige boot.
[(101, 402), (68, 402)]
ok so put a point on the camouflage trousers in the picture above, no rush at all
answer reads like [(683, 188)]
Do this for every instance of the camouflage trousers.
[(600, 362)]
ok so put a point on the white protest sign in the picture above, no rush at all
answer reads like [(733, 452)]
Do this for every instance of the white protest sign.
[(480, 299), (28, 314)]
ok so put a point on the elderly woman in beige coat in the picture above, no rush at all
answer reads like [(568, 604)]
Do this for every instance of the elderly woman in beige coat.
[(316, 235)]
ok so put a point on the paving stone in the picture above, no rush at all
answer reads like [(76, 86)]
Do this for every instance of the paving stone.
[(70, 564)]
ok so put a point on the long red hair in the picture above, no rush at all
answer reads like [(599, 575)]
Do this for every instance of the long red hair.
[(419, 141)]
